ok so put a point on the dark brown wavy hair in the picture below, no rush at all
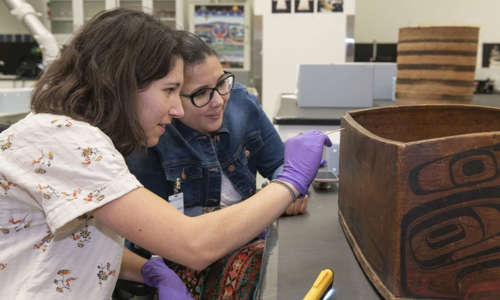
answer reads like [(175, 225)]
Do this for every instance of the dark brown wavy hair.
[(98, 74), (193, 49)]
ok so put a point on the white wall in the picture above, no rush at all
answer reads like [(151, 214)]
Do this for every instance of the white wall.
[(380, 20), (290, 39)]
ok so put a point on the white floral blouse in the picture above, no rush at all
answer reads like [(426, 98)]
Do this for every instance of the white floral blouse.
[(53, 172)]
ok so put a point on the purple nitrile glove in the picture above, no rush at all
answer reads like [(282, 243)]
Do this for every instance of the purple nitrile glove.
[(302, 159), (262, 235), (170, 287), (322, 163)]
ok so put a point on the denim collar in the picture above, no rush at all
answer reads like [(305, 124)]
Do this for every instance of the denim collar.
[(189, 134)]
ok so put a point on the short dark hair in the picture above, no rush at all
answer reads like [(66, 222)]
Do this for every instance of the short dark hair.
[(192, 48), (97, 76)]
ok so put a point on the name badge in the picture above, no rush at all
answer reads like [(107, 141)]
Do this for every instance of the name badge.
[(177, 200)]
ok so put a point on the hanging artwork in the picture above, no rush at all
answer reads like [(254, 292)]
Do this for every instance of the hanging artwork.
[(330, 5), (281, 6), (222, 27), (304, 6), (491, 55)]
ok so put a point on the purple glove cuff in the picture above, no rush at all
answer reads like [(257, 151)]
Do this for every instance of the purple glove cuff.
[(300, 187), (149, 273), (170, 287)]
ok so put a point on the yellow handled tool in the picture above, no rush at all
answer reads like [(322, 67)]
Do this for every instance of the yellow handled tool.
[(321, 285)]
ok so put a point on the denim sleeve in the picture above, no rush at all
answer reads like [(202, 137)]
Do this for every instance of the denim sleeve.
[(269, 158), (147, 168)]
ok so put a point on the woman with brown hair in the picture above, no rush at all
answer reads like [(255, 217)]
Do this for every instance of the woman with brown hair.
[(67, 198)]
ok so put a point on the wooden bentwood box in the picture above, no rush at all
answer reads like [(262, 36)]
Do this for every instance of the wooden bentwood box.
[(419, 199)]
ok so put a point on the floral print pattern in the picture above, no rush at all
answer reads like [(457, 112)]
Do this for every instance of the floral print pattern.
[(7, 143), (5, 184), (104, 272), (44, 243), (49, 192), (83, 236), (72, 196), (90, 154), (61, 123), (96, 195), (42, 162), (17, 224), (64, 171), (63, 281)]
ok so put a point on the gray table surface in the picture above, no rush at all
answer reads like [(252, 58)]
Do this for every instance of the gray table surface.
[(312, 242)]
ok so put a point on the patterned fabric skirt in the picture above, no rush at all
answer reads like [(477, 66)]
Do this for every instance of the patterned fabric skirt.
[(234, 276)]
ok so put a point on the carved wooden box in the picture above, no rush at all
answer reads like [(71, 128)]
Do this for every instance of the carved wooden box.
[(419, 199)]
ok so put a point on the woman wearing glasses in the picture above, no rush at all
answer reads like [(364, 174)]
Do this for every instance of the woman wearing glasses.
[(67, 198), (208, 159), (221, 142)]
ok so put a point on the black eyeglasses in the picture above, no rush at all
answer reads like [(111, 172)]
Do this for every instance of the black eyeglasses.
[(203, 96)]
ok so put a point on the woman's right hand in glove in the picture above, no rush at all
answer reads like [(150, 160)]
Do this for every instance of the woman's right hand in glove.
[(303, 154)]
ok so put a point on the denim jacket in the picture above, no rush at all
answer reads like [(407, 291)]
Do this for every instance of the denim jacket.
[(246, 143)]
